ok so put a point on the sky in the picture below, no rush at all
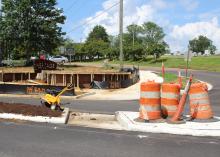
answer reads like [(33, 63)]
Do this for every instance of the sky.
[(181, 20)]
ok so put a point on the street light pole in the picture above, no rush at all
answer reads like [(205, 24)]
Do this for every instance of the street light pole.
[(121, 33)]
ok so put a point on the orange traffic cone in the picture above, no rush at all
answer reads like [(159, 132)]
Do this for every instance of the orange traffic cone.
[(176, 116)]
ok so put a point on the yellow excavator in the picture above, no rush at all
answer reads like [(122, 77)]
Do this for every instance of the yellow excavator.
[(52, 98)]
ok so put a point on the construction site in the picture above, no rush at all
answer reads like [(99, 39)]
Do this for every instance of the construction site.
[(109, 78), (161, 104), (29, 81)]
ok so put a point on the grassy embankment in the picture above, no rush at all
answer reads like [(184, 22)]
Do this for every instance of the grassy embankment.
[(207, 63)]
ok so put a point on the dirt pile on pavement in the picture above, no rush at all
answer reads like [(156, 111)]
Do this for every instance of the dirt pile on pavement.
[(29, 110)]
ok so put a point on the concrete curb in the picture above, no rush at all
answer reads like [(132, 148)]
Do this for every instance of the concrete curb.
[(84, 95), (126, 119), (56, 120)]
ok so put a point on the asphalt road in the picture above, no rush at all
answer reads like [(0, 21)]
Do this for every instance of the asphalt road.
[(37, 140), (31, 139)]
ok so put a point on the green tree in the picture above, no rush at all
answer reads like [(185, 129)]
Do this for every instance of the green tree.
[(97, 43), (132, 42), (201, 44), (134, 32), (96, 48), (98, 33), (31, 26), (153, 39)]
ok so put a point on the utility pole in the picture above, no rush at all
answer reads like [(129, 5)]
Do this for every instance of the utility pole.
[(121, 33), (0, 39), (133, 38)]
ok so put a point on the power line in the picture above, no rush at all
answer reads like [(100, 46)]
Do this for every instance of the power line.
[(86, 22)]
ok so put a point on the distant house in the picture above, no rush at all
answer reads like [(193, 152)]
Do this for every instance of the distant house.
[(178, 53), (207, 53)]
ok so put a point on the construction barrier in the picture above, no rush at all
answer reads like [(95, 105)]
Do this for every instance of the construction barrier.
[(170, 95), (199, 102), (150, 101)]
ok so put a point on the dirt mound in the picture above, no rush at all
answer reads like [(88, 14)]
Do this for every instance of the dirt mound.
[(30, 110)]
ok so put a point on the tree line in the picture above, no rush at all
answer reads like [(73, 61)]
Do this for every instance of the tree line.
[(30, 27), (138, 43)]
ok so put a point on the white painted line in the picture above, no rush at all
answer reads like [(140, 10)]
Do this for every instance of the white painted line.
[(55, 120)]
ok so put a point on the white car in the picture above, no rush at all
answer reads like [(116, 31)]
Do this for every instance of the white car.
[(59, 59)]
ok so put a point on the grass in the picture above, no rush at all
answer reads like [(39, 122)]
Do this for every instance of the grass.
[(170, 77), (173, 78), (207, 63)]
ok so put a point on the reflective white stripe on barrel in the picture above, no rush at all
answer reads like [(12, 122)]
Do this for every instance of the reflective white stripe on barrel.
[(169, 95), (169, 107), (201, 108), (198, 96), (150, 95), (200, 101), (141, 109), (150, 108)]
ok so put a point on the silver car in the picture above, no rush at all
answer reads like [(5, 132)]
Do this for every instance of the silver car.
[(59, 59)]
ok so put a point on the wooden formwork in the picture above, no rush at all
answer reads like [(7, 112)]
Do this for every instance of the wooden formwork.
[(64, 78), (83, 80)]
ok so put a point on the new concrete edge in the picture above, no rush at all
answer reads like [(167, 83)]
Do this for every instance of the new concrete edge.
[(56, 120), (126, 119)]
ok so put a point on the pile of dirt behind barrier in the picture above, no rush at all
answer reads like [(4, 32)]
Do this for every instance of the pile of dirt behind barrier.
[(30, 110)]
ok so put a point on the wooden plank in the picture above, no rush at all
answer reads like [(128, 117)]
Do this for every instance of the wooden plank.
[(77, 79)]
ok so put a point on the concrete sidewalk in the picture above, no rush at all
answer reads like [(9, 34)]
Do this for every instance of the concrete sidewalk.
[(127, 120)]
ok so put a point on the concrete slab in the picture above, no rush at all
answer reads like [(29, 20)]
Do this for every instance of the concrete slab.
[(126, 119), (55, 120), (94, 120)]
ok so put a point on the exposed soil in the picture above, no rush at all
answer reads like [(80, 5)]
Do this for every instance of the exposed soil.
[(29, 110), (17, 69), (64, 68)]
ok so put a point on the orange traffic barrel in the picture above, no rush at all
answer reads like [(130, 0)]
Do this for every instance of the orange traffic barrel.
[(200, 107), (150, 101), (170, 95)]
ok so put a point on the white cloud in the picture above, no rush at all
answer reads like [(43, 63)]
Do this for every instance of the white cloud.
[(189, 5), (177, 36), (180, 35), (110, 20), (159, 4)]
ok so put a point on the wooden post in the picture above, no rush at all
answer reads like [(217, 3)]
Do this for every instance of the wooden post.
[(63, 80), (13, 79), (55, 80), (74, 80), (91, 79), (47, 78), (77, 79), (71, 79), (21, 76)]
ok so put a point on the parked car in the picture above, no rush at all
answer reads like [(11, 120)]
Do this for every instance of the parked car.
[(59, 59)]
